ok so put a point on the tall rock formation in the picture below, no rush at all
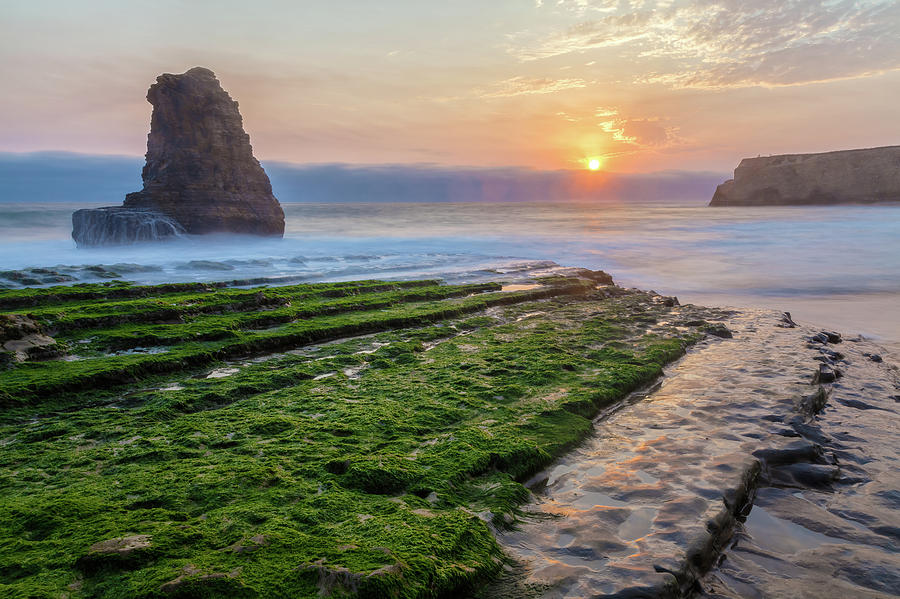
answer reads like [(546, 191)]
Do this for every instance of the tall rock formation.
[(200, 175), (845, 177)]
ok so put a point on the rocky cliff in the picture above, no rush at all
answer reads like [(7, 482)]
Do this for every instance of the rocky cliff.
[(845, 177), (200, 175)]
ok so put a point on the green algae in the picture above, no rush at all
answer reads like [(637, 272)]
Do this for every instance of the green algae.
[(198, 344), (370, 466), (29, 297), (65, 316)]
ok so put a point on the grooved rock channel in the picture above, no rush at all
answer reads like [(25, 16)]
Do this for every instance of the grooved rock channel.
[(200, 176), (744, 473)]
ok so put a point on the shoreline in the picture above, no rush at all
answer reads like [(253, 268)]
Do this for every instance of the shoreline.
[(867, 317), (837, 262), (624, 338)]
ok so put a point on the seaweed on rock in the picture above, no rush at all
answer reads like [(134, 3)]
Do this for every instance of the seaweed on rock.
[(374, 463)]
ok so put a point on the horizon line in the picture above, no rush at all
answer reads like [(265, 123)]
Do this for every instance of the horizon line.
[(375, 165)]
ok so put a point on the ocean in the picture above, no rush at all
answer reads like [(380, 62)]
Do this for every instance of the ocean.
[(837, 267)]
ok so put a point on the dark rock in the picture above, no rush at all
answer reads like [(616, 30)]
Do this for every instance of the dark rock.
[(810, 432), (20, 277), (875, 358), (101, 271), (204, 265), (718, 330), (16, 326), (786, 432), (819, 338), (670, 301), (192, 583), (23, 339), (850, 176), (833, 355), (119, 553), (36, 276), (801, 451), (826, 374), (116, 225), (200, 175), (249, 546), (121, 545), (829, 357), (804, 476), (600, 277), (832, 336), (786, 321), (887, 531)]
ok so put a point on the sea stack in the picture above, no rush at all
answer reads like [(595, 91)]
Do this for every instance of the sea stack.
[(200, 175), (862, 176)]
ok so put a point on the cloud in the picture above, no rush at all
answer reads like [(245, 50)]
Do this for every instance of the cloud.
[(639, 132), (648, 132), (731, 43), (520, 86), (614, 125), (584, 36)]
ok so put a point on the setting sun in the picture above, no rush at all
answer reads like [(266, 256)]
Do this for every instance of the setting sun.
[(594, 164)]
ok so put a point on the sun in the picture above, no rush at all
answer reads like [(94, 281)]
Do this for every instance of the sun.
[(594, 164)]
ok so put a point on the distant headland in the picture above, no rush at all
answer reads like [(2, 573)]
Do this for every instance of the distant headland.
[(200, 175), (863, 176)]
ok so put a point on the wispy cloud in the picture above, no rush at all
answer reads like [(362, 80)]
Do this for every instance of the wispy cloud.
[(642, 132), (730, 43), (520, 86)]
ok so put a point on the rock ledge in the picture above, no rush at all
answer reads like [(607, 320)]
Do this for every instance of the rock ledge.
[(863, 176)]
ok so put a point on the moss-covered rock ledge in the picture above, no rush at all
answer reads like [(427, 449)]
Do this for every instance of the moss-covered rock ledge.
[(346, 439)]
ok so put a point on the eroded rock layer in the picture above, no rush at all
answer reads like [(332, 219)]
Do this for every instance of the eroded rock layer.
[(851, 176), (200, 171), (117, 225)]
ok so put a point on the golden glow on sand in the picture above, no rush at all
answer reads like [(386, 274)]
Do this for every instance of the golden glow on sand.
[(594, 164)]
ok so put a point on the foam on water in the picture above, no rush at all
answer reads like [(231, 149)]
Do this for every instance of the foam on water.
[(835, 264)]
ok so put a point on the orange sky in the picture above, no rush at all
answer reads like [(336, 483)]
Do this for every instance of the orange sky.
[(647, 85)]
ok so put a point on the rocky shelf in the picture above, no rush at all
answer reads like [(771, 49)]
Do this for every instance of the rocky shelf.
[(390, 439)]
